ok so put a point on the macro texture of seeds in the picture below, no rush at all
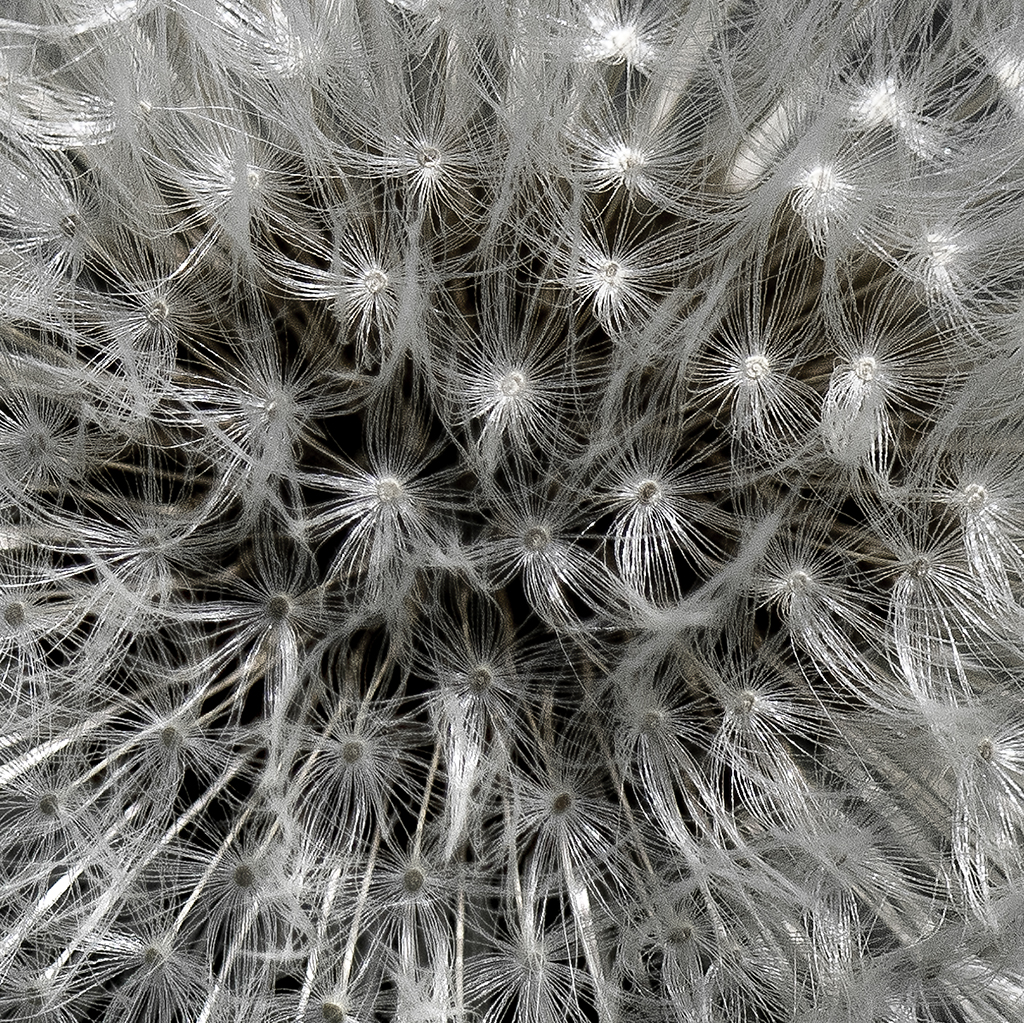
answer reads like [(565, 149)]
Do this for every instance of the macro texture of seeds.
[(511, 511)]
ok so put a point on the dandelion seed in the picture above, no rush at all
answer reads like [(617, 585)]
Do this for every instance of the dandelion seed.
[(536, 539), (823, 199), (756, 367)]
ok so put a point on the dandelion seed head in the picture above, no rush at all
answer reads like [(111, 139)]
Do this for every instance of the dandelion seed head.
[(158, 312), (170, 737), (533, 963), (822, 192), (225, 168), (15, 613), (536, 539), (389, 491), (464, 470), (622, 42), (975, 496), (938, 257), (36, 444), (352, 751), (919, 568), (279, 607), (429, 163), (680, 934), (244, 876), (480, 678), (798, 581), (821, 197), (628, 158), (746, 701), (375, 280), (880, 104), (821, 179), (624, 164), (865, 368), (756, 367), (607, 284), (512, 383), (273, 409), (428, 155), (648, 493), (561, 804), (652, 722)]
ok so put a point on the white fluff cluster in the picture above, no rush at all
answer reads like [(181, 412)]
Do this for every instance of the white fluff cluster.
[(511, 512)]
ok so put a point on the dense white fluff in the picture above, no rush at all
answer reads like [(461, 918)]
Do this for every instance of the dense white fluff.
[(511, 513)]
